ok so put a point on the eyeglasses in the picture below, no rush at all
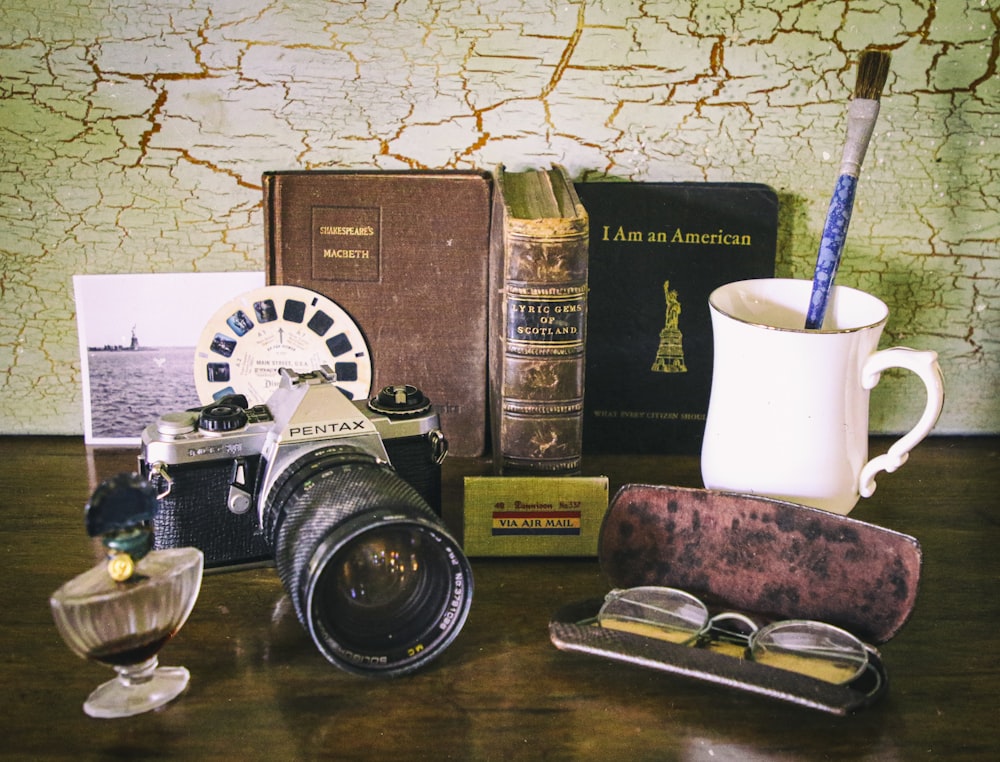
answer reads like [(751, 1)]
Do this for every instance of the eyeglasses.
[(812, 648)]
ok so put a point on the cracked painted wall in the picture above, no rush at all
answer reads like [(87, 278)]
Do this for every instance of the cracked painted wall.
[(133, 136)]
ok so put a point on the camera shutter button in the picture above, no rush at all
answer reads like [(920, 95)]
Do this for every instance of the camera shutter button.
[(176, 424)]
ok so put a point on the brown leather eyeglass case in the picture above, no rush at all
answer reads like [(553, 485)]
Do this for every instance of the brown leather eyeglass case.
[(770, 559)]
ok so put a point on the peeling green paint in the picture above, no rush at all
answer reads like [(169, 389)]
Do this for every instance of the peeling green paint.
[(133, 137)]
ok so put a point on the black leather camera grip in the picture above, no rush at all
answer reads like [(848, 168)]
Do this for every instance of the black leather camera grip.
[(194, 514)]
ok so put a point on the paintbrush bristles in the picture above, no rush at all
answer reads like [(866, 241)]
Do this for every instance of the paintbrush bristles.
[(873, 69)]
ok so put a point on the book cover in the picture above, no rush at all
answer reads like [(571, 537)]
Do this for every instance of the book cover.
[(657, 250), (538, 321), (406, 254)]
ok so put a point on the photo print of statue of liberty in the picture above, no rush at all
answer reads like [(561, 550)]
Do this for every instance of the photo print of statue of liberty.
[(137, 342)]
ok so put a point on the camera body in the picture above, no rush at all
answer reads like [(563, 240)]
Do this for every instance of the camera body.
[(219, 464), (343, 496)]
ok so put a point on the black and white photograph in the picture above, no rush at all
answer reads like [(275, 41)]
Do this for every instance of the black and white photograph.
[(137, 345)]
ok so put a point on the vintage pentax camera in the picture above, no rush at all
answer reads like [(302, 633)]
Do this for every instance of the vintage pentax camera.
[(344, 496)]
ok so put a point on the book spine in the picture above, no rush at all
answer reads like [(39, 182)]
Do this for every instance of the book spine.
[(544, 318), (272, 228)]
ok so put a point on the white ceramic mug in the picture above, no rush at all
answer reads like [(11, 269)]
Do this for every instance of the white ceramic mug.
[(788, 413)]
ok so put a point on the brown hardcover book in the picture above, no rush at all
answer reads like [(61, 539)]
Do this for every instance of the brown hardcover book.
[(538, 317), (407, 255)]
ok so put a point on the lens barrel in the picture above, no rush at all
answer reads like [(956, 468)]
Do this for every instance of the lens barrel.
[(373, 574)]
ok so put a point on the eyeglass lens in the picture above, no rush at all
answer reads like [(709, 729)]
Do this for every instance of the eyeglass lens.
[(662, 613), (812, 648)]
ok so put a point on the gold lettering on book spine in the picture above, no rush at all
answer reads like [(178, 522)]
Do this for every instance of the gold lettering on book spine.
[(670, 353)]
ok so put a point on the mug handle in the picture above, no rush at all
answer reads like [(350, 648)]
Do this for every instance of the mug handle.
[(925, 365)]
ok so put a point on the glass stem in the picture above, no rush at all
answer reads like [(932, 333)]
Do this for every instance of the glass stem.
[(137, 674)]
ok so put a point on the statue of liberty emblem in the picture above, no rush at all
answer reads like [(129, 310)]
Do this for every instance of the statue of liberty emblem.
[(670, 354)]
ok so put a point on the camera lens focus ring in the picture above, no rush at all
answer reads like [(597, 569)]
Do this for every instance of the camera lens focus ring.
[(293, 478)]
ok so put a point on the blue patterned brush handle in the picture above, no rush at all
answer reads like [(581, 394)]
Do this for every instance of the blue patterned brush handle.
[(830, 248)]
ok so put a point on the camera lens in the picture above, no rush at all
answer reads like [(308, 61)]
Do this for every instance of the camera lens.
[(373, 575)]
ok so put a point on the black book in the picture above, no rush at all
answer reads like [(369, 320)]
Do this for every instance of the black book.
[(657, 250)]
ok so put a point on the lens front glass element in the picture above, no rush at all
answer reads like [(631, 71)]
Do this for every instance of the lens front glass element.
[(389, 597), (385, 588)]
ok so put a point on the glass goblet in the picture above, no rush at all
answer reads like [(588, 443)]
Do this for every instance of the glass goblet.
[(125, 624)]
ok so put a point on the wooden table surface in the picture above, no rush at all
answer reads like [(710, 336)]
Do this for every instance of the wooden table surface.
[(260, 690)]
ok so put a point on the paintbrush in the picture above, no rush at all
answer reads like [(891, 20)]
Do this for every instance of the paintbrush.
[(873, 68)]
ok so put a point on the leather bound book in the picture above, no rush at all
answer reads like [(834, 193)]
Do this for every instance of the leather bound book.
[(657, 250), (538, 317), (406, 254)]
